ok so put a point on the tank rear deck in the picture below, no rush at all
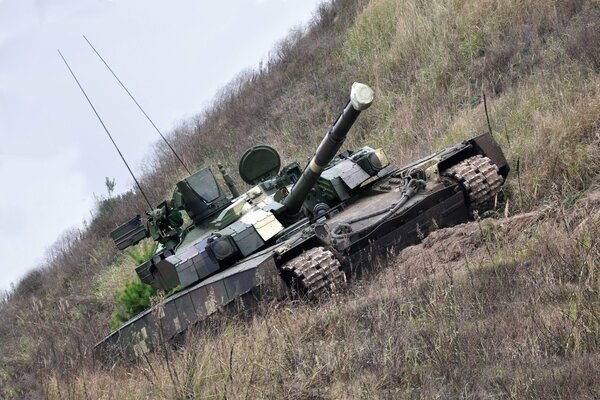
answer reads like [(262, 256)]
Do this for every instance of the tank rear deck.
[(255, 276)]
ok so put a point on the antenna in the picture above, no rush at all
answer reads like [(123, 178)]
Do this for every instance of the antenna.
[(138, 105), (106, 129), (487, 116)]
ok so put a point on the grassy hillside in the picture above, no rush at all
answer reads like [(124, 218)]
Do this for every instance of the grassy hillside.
[(500, 308), (506, 308)]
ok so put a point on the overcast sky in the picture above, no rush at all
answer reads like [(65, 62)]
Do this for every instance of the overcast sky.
[(173, 55)]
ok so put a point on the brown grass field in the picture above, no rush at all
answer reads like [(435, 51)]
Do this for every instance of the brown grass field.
[(507, 307)]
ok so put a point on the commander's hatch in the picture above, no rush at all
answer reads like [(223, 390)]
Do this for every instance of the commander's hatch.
[(200, 195), (258, 164)]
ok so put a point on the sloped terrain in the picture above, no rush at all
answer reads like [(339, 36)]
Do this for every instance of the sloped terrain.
[(504, 307), (494, 308)]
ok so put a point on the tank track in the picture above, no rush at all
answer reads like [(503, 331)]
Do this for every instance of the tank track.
[(480, 179), (313, 272)]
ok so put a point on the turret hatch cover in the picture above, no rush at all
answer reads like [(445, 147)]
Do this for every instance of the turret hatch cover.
[(259, 163)]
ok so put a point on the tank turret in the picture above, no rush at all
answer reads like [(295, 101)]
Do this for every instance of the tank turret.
[(225, 229)]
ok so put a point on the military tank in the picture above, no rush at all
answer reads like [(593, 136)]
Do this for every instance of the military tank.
[(297, 232)]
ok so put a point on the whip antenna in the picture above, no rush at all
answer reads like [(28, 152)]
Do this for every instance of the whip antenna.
[(487, 116), (105, 128), (138, 105)]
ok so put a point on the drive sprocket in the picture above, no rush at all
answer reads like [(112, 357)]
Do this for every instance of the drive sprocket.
[(313, 272), (480, 179)]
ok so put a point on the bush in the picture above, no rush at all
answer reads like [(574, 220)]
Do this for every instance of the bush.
[(135, 298), (143, 252)]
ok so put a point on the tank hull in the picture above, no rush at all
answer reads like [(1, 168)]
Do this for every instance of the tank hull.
[(247, 280)]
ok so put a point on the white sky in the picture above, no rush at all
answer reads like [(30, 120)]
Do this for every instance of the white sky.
[(173, 56)]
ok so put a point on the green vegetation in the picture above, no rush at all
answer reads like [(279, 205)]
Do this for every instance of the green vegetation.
[(132, 300), (136, 296), (504, 308), (143, 251)]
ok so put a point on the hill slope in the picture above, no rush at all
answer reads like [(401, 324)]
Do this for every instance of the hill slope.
[(508, 308), (496, 308)]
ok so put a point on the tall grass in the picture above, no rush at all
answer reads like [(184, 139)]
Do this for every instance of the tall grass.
[(497, 309), (504, 309), (432, 60)]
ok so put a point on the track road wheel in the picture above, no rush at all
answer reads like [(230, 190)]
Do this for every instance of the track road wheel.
[(314, 272), (480, 179)]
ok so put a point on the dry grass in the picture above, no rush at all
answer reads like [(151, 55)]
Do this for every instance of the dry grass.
[(496, 308), (431, 61), (502, 309)]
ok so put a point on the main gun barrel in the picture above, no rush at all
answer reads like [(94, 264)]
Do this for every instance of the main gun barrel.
[(361, 97)]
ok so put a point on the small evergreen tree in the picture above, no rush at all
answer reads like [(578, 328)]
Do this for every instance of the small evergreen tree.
[(132, 300), (136, 296), (110, 185)]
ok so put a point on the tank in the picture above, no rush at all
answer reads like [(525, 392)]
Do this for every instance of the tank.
[(296, 232)]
